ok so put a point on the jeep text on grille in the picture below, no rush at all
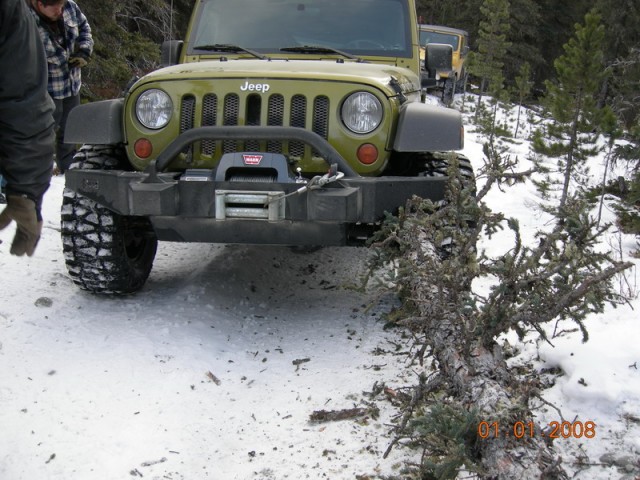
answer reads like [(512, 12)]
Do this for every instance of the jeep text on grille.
[(255, 87)]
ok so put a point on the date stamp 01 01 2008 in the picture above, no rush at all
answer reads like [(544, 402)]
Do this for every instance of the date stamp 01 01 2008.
[(519, 430)]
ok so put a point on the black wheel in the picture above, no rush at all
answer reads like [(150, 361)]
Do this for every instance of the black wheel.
[(447, 90), (461, 82), (437, 165), (104, 252)]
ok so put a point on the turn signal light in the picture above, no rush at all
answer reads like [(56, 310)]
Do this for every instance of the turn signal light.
[(367, 153), (143, 148)]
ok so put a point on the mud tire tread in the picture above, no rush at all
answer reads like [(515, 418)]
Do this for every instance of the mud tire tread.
[(104, 252)]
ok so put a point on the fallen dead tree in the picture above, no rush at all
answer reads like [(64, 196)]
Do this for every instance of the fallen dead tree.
[(562, 277)]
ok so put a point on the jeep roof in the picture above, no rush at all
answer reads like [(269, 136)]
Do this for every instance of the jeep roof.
[(442, 34)]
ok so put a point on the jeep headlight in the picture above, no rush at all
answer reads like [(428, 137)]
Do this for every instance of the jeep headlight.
[(362, 112), (153, 109)]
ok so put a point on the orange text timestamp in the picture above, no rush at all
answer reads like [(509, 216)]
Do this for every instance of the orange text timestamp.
[(519, 430)]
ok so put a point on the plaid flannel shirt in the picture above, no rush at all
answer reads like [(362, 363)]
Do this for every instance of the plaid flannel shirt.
[(75, 39)]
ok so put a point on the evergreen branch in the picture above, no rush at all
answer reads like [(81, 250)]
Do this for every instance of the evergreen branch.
[(424, 386), (570, 299)]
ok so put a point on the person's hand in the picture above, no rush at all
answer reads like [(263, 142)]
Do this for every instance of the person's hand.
[(22, 210), (77, 62)]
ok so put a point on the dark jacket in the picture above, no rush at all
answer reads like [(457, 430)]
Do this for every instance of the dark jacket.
[(26, 109)]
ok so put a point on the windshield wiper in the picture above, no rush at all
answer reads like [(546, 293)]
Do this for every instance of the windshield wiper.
[(319, 49), (224, 47)]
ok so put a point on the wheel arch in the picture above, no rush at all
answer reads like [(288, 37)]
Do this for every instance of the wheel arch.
[(428, 128), (98, 123)]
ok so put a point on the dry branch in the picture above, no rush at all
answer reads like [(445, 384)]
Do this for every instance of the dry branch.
[(322, 416)]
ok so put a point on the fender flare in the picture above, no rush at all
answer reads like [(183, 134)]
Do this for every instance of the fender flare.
[(428, 128), (97, 123)]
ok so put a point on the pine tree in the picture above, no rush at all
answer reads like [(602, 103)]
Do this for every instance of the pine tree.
[(488, 61), (572, 102), (127, 39), (453, 13), (522, 90), (555, 28), (524, 30), (622, 34), (627, 108)]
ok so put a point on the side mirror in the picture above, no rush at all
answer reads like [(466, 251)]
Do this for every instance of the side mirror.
[(171, 50), (438, 58)]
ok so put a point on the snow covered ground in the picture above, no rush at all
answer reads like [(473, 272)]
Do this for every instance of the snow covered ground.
[(204, 374), (213, 370)]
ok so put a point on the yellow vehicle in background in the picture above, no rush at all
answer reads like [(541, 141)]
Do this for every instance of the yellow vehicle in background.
[(450, 81)]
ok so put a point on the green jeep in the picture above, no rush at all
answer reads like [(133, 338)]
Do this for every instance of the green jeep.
[(452, 78), (277, 122)]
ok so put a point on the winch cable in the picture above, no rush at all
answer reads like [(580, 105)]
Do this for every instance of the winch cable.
[(315, 183)]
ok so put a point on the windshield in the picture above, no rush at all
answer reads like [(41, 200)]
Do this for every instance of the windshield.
[(358, 27), (437, 37)]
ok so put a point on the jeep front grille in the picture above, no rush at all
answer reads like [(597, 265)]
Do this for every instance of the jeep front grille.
[(209, 115), (187, 120), (255, 110)]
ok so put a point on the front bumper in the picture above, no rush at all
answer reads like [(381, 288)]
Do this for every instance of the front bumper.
[(211, 206)]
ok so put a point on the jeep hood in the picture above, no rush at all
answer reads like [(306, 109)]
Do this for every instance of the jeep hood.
[(389, 79)]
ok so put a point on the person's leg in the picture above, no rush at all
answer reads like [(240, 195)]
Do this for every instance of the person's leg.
[(64, 151), (3, 199)]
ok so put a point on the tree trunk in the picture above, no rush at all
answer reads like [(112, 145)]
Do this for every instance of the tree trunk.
[(479, 379)]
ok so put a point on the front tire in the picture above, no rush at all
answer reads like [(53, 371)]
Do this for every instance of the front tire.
[(460, 221), (461, 83), (104, 252), (448, 90), (451, 227)]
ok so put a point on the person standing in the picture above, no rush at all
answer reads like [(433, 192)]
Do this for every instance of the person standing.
[(68, 44), (26, 125)]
